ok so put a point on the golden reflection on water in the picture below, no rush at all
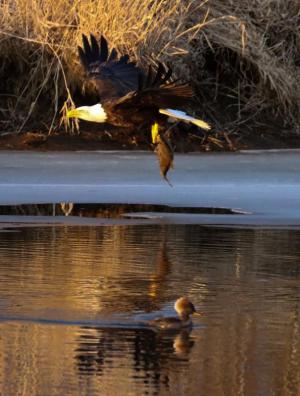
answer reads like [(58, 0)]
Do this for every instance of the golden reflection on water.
[(72, 299)]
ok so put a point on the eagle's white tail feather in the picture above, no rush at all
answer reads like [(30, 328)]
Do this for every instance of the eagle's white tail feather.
[(181, 115)]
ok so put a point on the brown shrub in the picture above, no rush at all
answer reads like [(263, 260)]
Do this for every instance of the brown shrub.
[(240, 55)]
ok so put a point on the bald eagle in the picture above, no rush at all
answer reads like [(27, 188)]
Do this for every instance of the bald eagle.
[(129, 97)]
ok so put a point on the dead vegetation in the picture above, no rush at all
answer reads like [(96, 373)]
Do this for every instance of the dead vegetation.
[(242, 57)]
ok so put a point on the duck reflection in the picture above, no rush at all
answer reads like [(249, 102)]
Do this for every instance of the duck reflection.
[(183, 343), (152, 349), (149, 355)]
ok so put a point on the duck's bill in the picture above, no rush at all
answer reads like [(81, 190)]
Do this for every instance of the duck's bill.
[(198, 314)]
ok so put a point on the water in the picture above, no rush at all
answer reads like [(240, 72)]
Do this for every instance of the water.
[(75, 302)]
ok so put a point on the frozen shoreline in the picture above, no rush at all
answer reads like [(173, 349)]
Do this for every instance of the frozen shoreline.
[(265, 184)]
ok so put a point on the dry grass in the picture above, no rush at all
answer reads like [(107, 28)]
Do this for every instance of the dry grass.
[(240, 54)]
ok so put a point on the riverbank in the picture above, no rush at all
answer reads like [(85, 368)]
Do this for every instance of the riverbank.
[(117, 140), (242, 60)]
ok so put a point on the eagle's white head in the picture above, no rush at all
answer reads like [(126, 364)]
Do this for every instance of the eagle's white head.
[(94, 113)]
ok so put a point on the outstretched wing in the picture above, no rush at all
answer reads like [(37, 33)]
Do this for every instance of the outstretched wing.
[(158, 91), (114, 76)]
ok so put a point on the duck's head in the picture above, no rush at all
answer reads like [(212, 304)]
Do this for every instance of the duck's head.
[(184, 307)]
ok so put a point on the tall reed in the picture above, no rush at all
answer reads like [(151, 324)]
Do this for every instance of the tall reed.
[(243, 54)]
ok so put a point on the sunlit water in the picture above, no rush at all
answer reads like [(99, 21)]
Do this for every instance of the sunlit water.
[(75, 303)]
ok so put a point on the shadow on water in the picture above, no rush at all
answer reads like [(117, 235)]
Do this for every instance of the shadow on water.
[(102, 210), (75, 302)]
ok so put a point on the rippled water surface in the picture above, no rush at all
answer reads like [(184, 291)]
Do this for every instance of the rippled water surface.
[(75, 302)]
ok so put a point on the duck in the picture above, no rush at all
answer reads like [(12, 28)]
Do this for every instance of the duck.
[(184, 308)]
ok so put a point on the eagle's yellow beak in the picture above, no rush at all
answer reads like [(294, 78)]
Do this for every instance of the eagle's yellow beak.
[(73, 113), (154, 133)]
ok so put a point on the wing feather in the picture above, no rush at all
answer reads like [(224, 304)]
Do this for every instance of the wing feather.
[(95, 51), (114, 76), (104, 49), (164, 92), (159, 73), (82, 57), (157, 91), (124, 59), (113, 55), (87, 49)]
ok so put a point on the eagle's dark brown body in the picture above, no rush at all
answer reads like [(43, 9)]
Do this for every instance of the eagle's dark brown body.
[(129, 97)]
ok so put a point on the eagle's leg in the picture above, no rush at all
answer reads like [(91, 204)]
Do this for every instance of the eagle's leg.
[(155, 132), (168, 132)]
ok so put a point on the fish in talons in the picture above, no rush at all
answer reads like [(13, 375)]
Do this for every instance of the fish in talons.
[(163, 150)]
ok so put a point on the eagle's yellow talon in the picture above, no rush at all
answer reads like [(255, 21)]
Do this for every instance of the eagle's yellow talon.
[(154, 133)]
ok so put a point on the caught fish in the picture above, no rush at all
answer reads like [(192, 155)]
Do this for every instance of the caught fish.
[(165, 155)]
